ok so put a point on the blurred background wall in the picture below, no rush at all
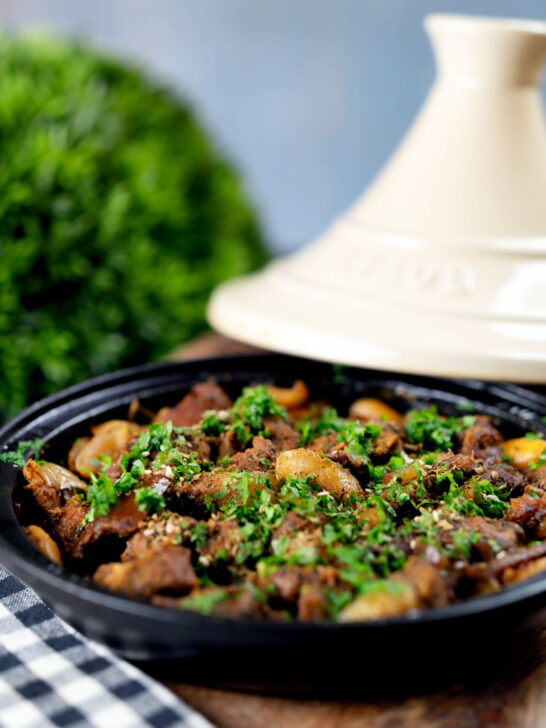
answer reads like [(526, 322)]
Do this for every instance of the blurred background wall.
[(308, 97)]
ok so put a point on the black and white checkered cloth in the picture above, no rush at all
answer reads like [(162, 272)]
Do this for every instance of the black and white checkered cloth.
[(52, 676)]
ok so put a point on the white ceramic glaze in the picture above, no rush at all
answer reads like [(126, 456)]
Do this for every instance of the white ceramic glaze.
[(440, 266)]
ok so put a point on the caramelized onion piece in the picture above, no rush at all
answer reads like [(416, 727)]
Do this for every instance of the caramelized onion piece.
[(44, 543), (394, 599), (330, 476), (57, 477), (374, 409), (522, 451), (108, 438), (402, 477), (75, 450), (290, 397)]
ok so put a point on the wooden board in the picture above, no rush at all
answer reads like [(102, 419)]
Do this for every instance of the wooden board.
[(517, 699)]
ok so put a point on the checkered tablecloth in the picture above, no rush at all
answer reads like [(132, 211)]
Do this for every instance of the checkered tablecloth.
[(50, 675)]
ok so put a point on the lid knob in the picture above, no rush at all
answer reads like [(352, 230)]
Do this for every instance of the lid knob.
[(473, 163), (485, 51)]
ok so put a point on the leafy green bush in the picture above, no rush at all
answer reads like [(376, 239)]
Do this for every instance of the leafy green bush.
[(117, 218)]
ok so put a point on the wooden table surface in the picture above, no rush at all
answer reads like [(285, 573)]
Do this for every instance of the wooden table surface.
[(515, 700)]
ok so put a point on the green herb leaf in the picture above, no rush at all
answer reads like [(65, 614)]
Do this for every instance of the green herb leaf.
[(433, 431), (149, 499), (250, 410), (21, 454)]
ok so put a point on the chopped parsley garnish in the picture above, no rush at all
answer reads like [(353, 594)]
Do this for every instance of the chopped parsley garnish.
[(24, 449), (435, 432), (149, 499), (204, 602), (478, 497), (539, 462), (154, 445), (101, 496), (199, 534), (359, 438), (250, 410), (313, 426), (211, 424), (185, 466)]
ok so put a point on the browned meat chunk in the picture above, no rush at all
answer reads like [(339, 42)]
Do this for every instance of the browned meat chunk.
[(482, 439), (261, 456), (281, 434), (514, 560), (313, 604), (224, 536), (195, 442), (286, 582), (160, 479), (220, 487), (495, 535), (200, 398), (165, 530), (333, 449), (122, 521), (388, 441), (291, 524), (526, 571), (66, 524), (501, 473), (228, 443), (447, 462), (425, 580), (47, 494), (538, 480), (296, 533), (293, 540), (198, 444), (137, 545), (242, 603), (529, 512), (159, 569)]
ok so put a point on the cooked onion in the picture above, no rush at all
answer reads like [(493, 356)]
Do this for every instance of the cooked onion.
[(108, 439), (380, 604), (290, 397), (44, 543), (374, 409), (331, 476), (522, 451), (59, 477)]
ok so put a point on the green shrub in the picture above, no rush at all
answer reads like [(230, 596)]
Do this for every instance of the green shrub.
[(117, 218)]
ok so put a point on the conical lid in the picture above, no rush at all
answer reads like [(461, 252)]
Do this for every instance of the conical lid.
[(440, 266)]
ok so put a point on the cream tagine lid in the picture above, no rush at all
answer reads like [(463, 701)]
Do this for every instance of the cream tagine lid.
[(440, 266)]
